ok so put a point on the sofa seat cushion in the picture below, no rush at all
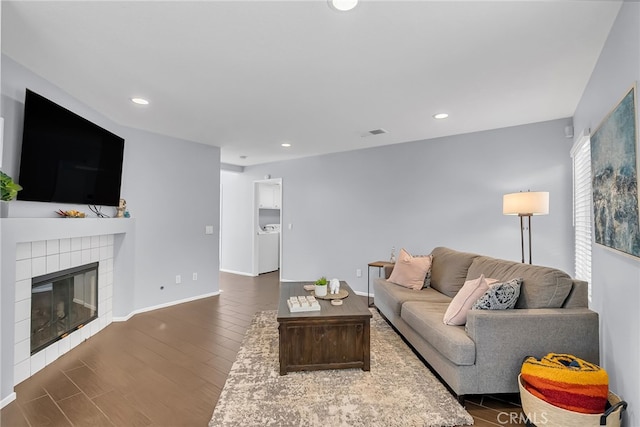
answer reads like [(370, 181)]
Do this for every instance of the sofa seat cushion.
[(393, 296), (451, 341), (542, 287)]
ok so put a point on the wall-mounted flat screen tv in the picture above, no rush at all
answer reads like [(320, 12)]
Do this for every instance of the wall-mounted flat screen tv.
[(66, 158)]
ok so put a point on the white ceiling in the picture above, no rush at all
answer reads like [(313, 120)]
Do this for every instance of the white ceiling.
[(249, 75)]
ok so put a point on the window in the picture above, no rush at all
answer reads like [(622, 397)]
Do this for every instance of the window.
[(581, 155)]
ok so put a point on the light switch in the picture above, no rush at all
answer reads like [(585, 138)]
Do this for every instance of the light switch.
[(208, 229)]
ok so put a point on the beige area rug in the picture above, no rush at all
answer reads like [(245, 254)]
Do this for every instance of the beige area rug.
[(398, 391)]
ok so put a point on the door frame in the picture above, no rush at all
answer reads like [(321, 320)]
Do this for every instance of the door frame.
[(256, 224)]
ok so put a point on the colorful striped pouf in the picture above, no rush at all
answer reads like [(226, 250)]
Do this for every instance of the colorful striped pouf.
[(567, 382)]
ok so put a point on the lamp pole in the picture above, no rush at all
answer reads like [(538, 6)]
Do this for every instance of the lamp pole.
[(522, 236), (529, 225)]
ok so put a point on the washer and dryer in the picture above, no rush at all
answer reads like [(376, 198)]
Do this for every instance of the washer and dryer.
[(269, 248)]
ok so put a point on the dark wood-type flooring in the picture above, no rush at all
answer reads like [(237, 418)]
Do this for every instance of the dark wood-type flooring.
[(167, 367)]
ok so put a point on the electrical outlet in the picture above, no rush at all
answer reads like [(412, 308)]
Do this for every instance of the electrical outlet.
[(195, 276), (178, 279), (358, 272)]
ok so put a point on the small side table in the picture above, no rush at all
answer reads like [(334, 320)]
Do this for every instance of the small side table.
[(380, 265)]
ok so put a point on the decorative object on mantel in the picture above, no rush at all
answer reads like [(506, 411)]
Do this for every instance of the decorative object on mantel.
[(526, 204), (122, 207), (70, 213), (320, 289), (8, 191), (614, 164), (8, 188)]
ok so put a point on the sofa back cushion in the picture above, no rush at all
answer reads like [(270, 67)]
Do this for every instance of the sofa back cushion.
[(449, 270), (542, 287), (578, 296)]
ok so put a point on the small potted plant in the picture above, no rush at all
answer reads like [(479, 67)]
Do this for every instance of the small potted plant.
[(8, 191), (321, 287)]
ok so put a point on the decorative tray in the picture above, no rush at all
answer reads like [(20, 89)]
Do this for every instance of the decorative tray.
[(342, 293)]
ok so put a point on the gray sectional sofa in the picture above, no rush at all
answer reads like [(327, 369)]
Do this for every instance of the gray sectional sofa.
[(485, 355)]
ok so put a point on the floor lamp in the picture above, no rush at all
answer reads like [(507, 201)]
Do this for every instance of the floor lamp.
[(526, 204)]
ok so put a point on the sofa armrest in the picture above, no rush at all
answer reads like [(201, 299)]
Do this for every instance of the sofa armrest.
[(503, 338)]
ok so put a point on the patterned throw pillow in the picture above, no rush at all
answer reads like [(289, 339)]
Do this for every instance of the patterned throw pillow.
[(500, 296), (427, 280)]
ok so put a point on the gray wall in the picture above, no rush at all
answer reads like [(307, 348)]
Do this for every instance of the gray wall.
[(351, 208), (236, 230), (172, 188), (616, 277)]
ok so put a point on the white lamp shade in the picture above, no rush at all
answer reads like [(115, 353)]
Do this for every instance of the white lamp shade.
[(526, 203)]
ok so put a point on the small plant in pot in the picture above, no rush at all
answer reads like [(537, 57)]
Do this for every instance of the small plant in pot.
[(8, 191), (321, 287)]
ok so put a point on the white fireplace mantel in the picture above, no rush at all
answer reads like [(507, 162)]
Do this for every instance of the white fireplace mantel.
[(15, 230)]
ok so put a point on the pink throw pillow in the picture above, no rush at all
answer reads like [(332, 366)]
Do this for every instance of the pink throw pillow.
[(460, 305), (410, 271)]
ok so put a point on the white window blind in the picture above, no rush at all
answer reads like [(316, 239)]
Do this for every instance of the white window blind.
[(581, 154)]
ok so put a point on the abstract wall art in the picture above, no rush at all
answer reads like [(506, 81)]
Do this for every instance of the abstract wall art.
[(614, 167)]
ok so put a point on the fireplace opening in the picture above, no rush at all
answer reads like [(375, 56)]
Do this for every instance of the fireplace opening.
[(62, 302)]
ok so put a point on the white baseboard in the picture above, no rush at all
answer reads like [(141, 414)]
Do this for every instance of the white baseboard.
[(363, 294), (239, 273), (4, 402), (165, 305)]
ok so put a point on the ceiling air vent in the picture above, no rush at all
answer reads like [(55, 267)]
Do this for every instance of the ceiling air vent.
[(375, 132)]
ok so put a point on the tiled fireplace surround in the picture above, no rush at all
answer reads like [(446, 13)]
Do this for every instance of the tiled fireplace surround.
[(49, 256)]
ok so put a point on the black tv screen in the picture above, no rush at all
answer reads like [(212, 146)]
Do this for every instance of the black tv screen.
[(66, 158)]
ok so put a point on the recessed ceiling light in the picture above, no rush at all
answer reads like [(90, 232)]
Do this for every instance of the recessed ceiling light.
[(343, 5), (243, 157), (285, 144), (440, 116), (140, 101)]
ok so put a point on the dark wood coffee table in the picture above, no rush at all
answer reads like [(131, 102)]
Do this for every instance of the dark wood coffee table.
[(336, 337)]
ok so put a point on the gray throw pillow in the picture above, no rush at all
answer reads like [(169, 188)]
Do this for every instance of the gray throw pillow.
[(500, 296)]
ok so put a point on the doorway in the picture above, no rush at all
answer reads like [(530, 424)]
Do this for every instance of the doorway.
[(267, 226)]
